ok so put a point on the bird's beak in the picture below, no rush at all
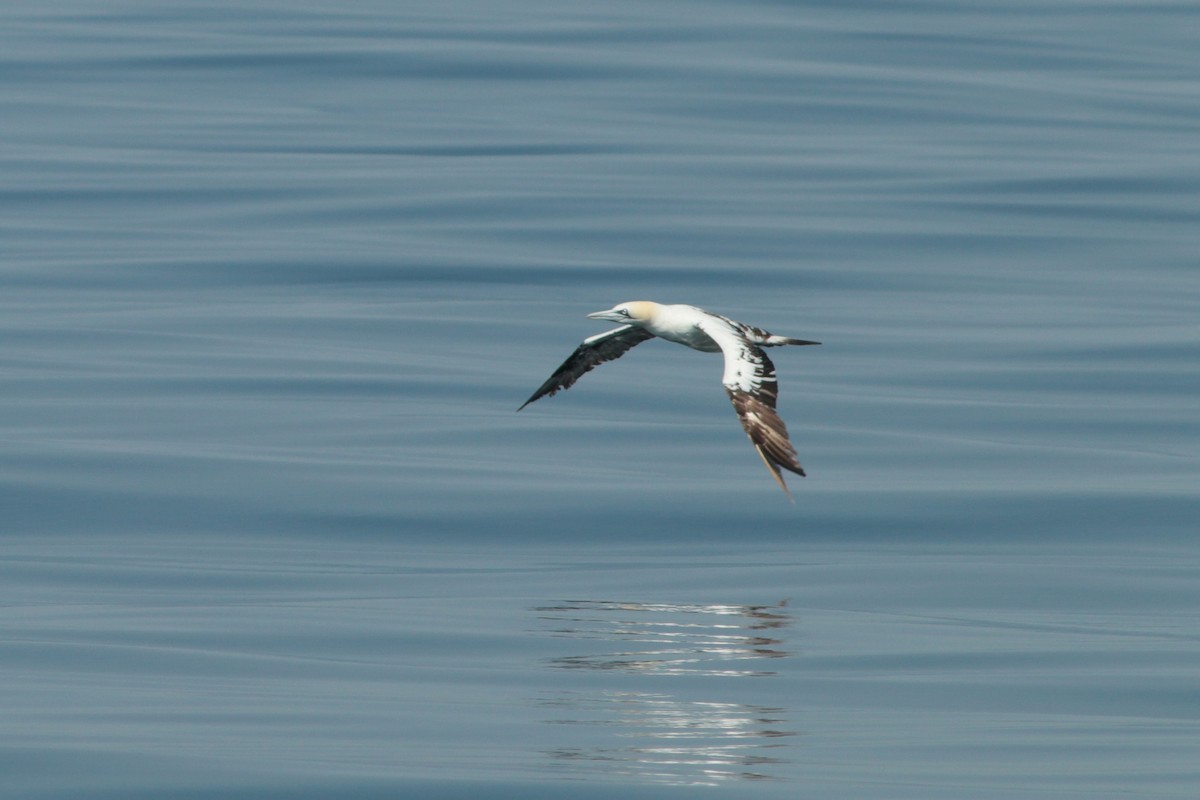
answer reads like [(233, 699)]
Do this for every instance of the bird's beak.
[(609, 315)]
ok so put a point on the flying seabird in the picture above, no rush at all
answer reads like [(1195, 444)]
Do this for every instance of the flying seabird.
[(749, 375)]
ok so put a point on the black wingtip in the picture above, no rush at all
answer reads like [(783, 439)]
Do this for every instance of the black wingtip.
[(538, 395)]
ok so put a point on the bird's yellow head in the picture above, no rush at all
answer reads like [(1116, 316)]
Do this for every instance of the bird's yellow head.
[(637, 311)]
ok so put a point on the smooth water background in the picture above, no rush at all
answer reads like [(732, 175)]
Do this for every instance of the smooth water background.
[(275, 275)]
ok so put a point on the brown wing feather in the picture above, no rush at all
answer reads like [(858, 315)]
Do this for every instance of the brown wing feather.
[(767, 431), (753, 389), (593, 352)]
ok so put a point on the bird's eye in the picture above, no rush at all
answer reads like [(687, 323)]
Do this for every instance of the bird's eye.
[(624, 312)]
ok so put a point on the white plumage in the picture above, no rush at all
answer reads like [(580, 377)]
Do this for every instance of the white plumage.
[(749, 376)]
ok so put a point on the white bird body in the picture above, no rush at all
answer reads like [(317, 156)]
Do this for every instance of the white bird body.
[(749, 376), (682, 325)]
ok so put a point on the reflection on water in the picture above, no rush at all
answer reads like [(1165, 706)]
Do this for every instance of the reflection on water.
[(666, 638), (666, 739), (661, 736)]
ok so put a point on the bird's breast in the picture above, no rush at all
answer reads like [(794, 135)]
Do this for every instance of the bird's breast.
[(693, 337)]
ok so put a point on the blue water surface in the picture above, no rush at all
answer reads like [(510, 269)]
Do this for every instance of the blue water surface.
[(274, 277)]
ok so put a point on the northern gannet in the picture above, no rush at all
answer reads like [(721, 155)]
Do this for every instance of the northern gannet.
[(749, 375)]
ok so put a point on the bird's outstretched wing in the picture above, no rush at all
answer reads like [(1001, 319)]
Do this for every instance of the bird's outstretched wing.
[(749, 380), (594, 351)]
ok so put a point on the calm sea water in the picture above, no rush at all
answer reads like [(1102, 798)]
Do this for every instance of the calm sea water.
[(274, 277)]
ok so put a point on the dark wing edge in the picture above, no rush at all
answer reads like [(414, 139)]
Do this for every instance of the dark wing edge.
[(768, 434), (594, 351)]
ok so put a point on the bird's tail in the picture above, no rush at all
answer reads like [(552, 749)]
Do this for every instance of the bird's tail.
[(776, 341)]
